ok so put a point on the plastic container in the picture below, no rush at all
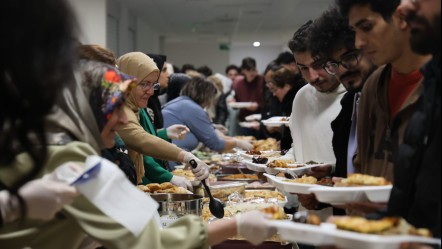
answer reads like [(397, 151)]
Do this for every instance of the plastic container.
[(222, 190)]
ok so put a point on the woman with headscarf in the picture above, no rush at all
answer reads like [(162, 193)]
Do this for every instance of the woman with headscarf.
[(139, 142), (189, 109)]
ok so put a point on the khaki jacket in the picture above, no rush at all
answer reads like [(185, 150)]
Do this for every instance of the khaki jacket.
[(139, 142), (68, 228), (375, 145)]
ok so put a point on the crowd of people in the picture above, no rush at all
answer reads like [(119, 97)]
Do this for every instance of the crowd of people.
[(361, 85)]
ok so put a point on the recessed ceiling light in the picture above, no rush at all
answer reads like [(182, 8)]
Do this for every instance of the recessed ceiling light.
[(257, 44)]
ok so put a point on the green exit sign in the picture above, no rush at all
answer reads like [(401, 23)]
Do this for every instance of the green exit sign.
[(224, 46)]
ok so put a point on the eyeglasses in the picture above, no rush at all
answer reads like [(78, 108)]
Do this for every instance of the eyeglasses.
[(348, 62), (147, 86)]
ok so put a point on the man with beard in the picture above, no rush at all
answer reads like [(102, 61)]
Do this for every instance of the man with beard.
[(332, 38), (416, 194), (390, 94)]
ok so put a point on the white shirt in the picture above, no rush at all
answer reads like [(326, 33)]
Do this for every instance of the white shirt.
[(310, 124)]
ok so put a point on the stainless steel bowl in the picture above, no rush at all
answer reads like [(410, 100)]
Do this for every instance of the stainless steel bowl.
[(179, 204)]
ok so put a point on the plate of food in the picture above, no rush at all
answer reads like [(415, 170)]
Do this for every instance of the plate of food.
[(249, 124), (240, 105), (297, 186), (254, 166), (276, 121), (258, 197), (386, 233), (355, 188), (304, 233), (254, 117)]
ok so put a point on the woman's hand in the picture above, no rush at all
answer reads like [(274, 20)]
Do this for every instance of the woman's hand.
[(177, 132)]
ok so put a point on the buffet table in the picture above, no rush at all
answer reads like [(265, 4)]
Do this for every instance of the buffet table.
[(237, 244)]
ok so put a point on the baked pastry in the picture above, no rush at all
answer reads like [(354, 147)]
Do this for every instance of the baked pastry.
[(304, 179), (188, 174), (362, 225), (166, 185), (281, 164), (277, 213), (143, 188), (154, 187), (307, 218), (364, 180)]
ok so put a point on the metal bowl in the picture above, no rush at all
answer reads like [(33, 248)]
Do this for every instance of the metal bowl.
[(179, 204)]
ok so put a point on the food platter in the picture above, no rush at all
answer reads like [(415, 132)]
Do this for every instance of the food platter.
[(276, 121), (344, 195)]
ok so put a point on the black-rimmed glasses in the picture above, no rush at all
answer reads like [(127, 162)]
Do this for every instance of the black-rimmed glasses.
[(348, 62)]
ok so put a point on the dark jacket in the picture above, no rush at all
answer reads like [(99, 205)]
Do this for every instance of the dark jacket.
[(221, 111), (287, 104), (155, 105), (416, 192), (341, 127)]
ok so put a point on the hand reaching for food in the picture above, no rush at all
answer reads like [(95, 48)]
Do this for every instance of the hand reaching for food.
[(177, 132)]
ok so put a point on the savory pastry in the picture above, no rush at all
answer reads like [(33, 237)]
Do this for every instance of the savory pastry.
[(281, 164), (362, 225), (326, 181), (188, 174), (364, 180), (277, 213), (304, 180), (241, 177), (254, 152), (154, 187), (306, 217), (143, 188), (265, 194), (166, 185), (266, 145)]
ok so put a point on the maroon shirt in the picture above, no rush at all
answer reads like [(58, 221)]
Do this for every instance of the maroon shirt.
[(249, 92)]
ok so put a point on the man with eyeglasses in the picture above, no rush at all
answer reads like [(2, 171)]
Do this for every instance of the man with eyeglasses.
[(315, 106), (332, 38), (390, 94)]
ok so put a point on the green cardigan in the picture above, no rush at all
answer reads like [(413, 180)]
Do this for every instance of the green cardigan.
[(154, 171)]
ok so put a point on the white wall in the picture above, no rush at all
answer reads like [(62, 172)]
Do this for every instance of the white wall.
[(91, 16), (148, 40), (263, 55), (198, 54)]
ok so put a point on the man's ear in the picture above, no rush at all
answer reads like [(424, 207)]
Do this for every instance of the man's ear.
[(401, 20)]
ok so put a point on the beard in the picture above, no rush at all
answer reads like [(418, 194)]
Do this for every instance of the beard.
[(427, 38)]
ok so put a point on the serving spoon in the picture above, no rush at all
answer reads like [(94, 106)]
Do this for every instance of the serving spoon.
[(215, 206)]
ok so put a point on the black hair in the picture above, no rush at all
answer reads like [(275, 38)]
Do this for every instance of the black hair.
[(331, 33), (384, 7), (176, 84), (301, 39), (285, 58), (272, 66), (232, 67), (186, 67), (31, 76), (205, 70), (248, 64), (284, 77)]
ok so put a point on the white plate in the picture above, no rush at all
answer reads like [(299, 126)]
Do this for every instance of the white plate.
[(300, 171), (275, 122), (303, 233), (352, 240), (327, 234), (344, 195), (240, 105), (248, 124), (291, 187), (254, 117), (255, 167)]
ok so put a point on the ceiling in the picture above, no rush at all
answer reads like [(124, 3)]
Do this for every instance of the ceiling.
[(232, 21)]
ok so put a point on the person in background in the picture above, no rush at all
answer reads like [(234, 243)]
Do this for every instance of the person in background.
[(284, 85), (232, 71), (286, 60), (154, 106), (189, 110), (390, 94), (187, 67), (220, 104), (116, 154), (416, 193), (249, 89), (176, 84), (205, 70)]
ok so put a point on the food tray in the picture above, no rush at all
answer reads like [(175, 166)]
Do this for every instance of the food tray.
[(344, 195), (291, 187)]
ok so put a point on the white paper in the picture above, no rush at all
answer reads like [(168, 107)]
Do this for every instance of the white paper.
[(112, 193)]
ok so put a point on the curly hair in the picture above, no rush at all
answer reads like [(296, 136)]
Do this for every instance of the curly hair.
[(384, 7), (301, 39), (32, 74), (331, 33)]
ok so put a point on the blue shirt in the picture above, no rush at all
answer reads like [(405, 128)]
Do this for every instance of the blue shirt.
[(185, 111)]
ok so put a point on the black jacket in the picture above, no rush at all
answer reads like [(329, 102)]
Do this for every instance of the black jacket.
[(155, 105), (287, 105), (416, 192), (341, 133)]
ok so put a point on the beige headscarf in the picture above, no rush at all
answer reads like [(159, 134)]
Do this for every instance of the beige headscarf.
[(139, 65), (74, 115)]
